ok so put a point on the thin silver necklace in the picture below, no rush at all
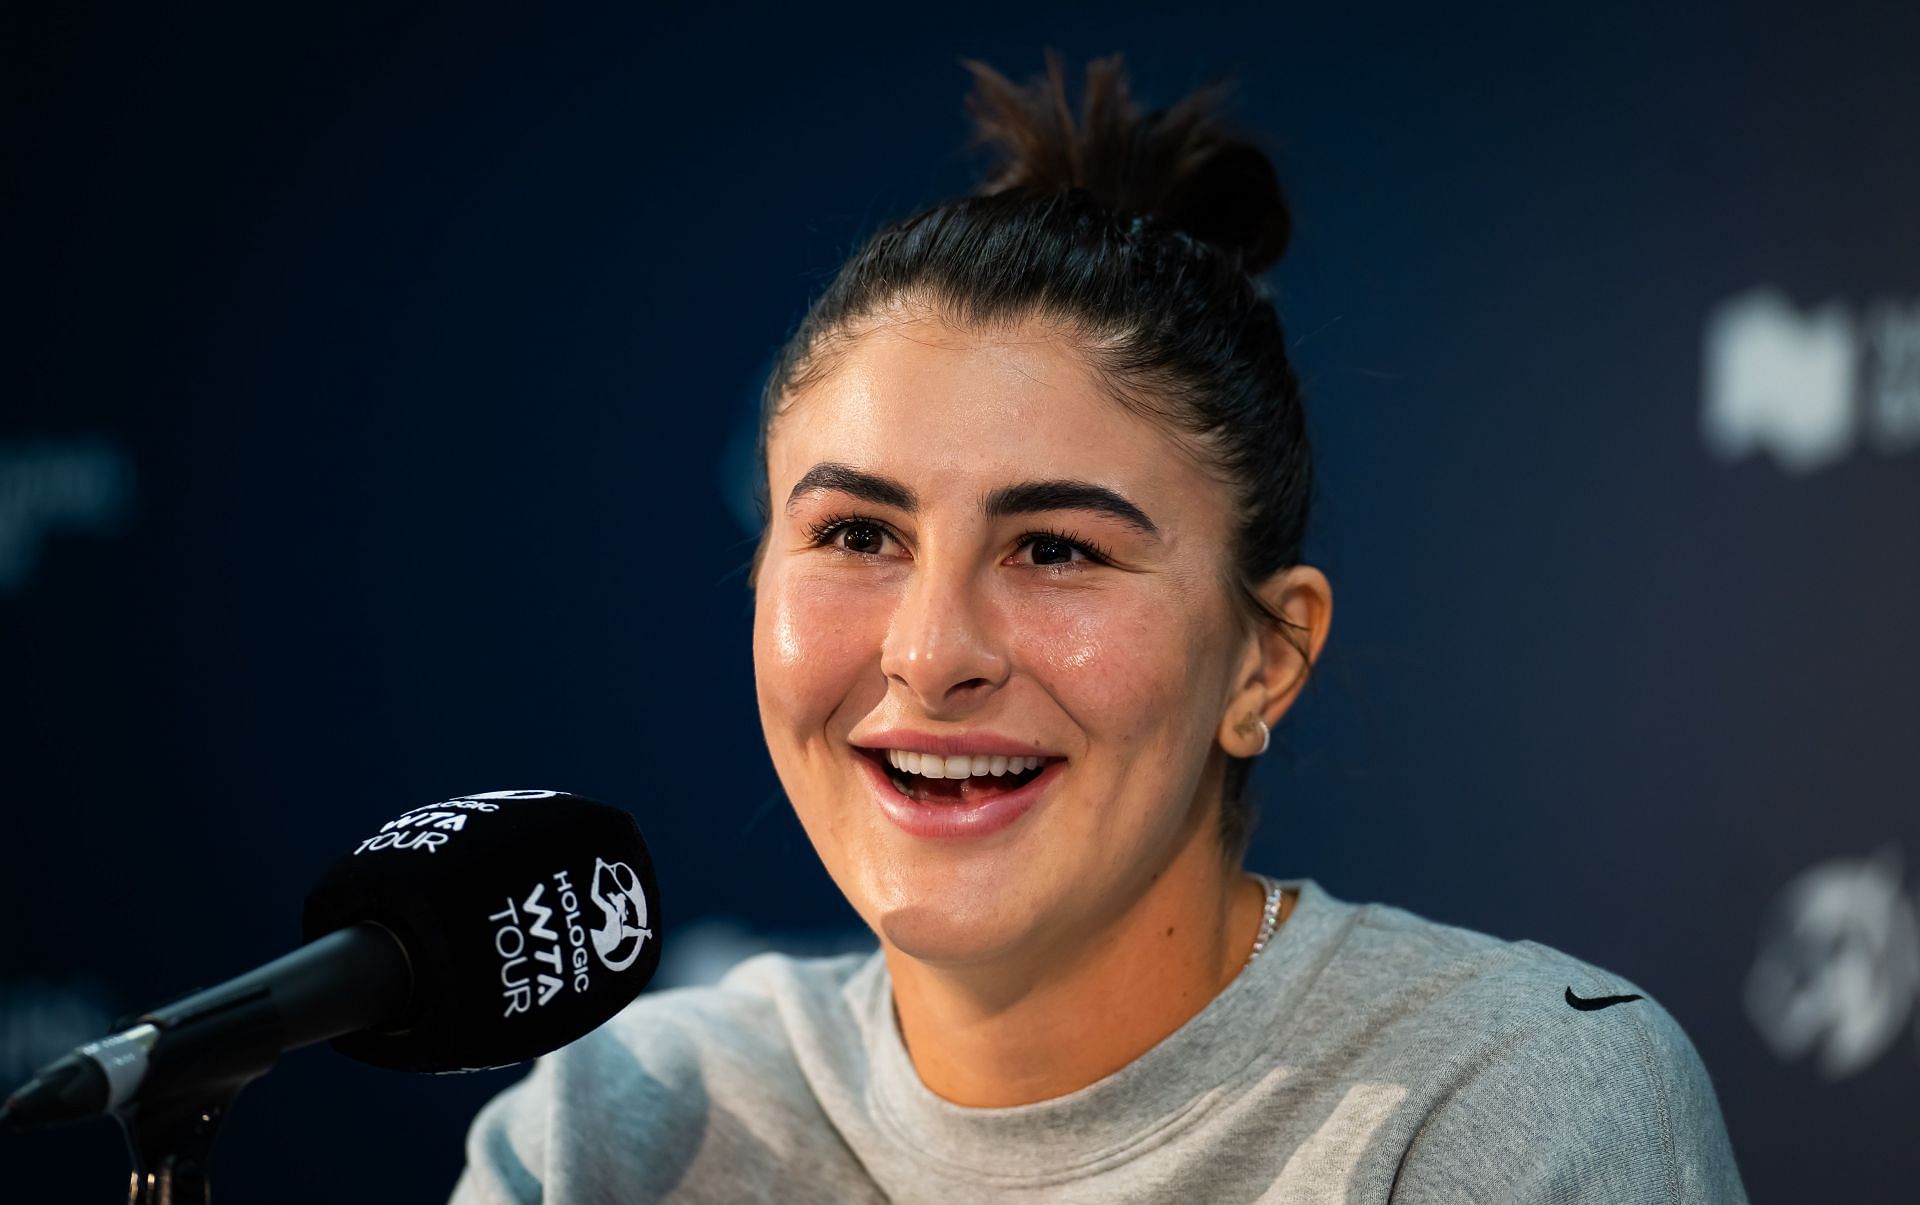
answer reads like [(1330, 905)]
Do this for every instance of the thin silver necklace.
[(1269, 918)]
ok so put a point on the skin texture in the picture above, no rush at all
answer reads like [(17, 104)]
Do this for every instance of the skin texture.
[(1036, 960)]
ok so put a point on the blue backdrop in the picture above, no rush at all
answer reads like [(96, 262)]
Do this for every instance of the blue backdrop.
[(375, 413)]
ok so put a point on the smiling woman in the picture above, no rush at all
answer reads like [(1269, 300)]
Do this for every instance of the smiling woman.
[(1028, 604), (1051, 585)]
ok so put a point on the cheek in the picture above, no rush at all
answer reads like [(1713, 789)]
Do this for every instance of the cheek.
[(813, 642), (1124, 665)]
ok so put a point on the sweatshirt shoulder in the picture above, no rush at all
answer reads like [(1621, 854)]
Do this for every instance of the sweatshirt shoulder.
[(1529, 1040), (1511, 991), (1615, 1038), (1493, 979)]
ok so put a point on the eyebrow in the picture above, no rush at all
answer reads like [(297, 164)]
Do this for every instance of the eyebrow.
[(1027, 497), (868, 487)]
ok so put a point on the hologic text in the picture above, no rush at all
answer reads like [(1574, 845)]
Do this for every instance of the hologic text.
[(538, 960)]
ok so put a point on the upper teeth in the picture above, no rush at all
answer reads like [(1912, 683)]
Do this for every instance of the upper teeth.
[(928, 765)]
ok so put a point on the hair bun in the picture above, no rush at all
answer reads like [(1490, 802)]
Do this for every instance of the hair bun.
[(1181, 166)]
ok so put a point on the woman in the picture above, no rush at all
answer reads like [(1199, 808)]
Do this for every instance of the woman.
[(1027, 606)]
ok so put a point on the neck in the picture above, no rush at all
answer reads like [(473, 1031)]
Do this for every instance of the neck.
[(1056, 1020)]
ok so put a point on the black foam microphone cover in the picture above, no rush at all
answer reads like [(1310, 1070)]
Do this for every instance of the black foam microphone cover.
[(528, 918)]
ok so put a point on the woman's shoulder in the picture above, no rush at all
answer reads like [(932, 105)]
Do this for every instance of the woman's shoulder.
[(1408, 978), (1509, 988), (682, 1086), (1528, 1046)]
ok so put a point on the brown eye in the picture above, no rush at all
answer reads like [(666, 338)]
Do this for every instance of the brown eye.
[(1055, 550), (1049, 550), (862, 537), (853, 534)]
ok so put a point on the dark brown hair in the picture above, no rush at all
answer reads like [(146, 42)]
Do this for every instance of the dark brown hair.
[(1143, 236)]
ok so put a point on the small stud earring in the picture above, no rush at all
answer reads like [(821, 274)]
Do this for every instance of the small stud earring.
[(1247, 724)]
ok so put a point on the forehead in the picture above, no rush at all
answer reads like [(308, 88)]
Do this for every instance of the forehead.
[(934, 402)]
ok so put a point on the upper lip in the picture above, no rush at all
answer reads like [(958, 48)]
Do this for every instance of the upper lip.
[(959, 744)]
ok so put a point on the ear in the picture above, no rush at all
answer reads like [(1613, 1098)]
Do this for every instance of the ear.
[(1273, 669)]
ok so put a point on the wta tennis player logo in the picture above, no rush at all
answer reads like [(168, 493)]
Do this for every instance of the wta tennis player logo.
[(623, 930)]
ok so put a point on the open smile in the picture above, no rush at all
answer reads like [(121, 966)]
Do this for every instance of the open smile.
[(930, 778), (962, 796)]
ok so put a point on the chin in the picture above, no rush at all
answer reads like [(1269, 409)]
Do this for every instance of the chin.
[(944, 920), (928, 933)]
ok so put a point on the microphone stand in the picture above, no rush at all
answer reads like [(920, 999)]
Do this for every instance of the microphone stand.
[(171, 1136), (171, 1143), (169, 1076)]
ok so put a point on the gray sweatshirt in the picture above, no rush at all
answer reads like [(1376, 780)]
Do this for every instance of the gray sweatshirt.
[(1367, 1055)]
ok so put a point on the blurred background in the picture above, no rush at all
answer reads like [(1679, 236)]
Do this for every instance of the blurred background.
[(376, 411)]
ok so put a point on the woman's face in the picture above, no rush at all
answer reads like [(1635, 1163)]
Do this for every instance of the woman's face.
[(905, 603)]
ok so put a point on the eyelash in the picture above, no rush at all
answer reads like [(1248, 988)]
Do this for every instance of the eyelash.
[(826, 529)]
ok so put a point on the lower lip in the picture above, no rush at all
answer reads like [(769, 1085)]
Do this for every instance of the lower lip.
[(951, 820)]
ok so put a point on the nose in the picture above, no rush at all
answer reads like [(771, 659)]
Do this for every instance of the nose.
[(941, 643)]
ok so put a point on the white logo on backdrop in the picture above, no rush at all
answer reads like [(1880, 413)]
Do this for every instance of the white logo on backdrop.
[(47, 484), (623, 906), (1810, 388), (1839, 965)]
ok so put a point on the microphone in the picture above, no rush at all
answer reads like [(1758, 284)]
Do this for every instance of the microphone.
[(462, 936)]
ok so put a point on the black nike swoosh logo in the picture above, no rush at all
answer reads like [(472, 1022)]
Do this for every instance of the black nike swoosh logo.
[(1589, 1003)]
